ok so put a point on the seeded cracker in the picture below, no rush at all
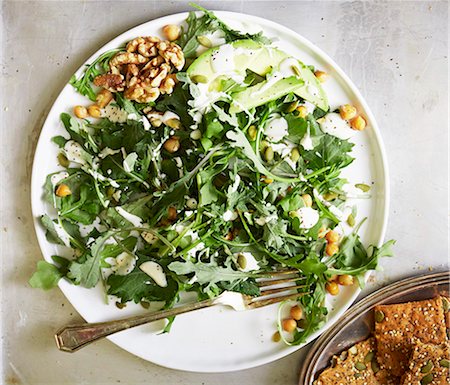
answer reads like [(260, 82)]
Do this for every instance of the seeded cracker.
[(355, 366), (398, 326), (429, 364)]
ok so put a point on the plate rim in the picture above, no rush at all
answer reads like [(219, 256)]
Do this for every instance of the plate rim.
[(366, 304), (37, 195)]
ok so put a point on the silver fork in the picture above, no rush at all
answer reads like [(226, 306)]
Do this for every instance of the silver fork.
[(284, 287)]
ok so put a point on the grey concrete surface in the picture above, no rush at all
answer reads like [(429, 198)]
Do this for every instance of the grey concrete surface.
[(395, 51)]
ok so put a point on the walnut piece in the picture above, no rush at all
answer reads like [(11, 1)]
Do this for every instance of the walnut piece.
[(145, 70)]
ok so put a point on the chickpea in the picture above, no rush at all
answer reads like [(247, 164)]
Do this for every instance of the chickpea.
[(332, 288), (345, 280), (63, 190), (331, 249), (103, 98), (94, 111), (358, 123), (302, 111), (171, 213), (332, 236), (321, 76), (289, 325), (296, 312), (307, 200), (172, 144), (171, 32), (347, 111), (80, 112)]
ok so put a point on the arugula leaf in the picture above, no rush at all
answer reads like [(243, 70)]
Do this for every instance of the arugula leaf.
[(87, 273), (208, 273), (45, 277), (83, 84), (137, 286)]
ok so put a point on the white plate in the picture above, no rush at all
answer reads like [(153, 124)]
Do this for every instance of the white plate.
[(220, 339)]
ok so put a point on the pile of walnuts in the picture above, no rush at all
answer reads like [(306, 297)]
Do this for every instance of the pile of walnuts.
[(145, 70)]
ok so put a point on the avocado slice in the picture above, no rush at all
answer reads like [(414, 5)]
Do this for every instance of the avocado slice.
[(264, 92), (247, 54)]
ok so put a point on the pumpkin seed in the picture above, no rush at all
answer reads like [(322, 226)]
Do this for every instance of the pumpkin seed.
[(427, 367), (302, 324), (295, 155), (296, 70), (268, 154), (375, 366), (369, 357), (292, 106), (358, 375), (445, 363), (120, 305), (351, 220), (252, 131), (276, 337), (427, 379), (204, 41), (62, 160), (199, 79), (353, 350), (145, 304), (379, 316), (242, 261), (110, 191), (362, 186), (445, 302), (360, 366), (174, 123), (329, 196), (343, 356)]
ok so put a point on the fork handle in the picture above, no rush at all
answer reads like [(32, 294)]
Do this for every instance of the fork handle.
[(74, 337)]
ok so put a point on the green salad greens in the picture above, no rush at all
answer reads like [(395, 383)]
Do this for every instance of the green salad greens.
[(234, 172)]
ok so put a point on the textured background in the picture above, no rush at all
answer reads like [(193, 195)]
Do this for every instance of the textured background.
[(394, 51)]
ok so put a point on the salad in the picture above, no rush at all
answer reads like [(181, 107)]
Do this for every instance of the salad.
[(198, 162)]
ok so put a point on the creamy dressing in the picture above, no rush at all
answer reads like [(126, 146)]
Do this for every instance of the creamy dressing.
[(164, 117), (309, 107), (106, 152), (234, 187), (115, 114), (123, 264), (306, 141), (55, 179), (199, 247), (233, 299), (343, 214), (216, 38), (287, 66), (333, 124), (263, 220), (251, 263), (62, 234), (75, 152), (283, 148), (308, 217), (229, 216), (276, 128), (85, 230), (133, 219), (129, 162), (155, 272)]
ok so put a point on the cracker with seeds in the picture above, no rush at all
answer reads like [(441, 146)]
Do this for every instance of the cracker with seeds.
[(398, 326), (429, 364), (355, 366)]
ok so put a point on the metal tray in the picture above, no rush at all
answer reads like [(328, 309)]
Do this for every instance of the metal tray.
[(357, 323)]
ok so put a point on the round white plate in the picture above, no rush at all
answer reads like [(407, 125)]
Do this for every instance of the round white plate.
[(220, 339)]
